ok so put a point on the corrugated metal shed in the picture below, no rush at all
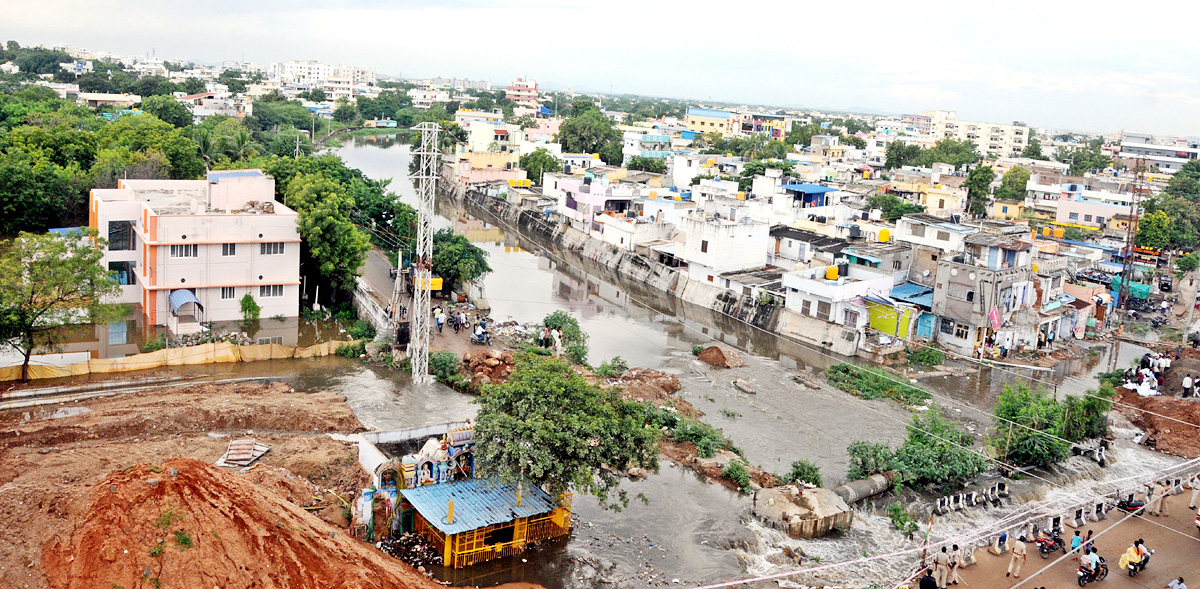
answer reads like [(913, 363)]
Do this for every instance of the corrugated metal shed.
[(477, 504)]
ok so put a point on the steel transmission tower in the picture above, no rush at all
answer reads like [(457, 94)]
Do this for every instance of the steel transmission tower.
[(422, 316)]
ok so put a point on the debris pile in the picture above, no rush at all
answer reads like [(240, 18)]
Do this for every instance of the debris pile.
[(1160, 417), (659, 388), (487, 367), (412, 549), (721, 357)]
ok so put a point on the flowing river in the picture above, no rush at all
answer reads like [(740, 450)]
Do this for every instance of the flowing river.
[(688, 530)]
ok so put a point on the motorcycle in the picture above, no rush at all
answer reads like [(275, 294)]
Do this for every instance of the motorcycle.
[(1133, 507), (1134, 569), (484, 338), (1085, 576), (1052, 544), (1158, 322)]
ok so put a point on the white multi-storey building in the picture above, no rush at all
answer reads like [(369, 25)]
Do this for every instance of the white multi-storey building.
[(187, 251), (308, 72), (989, 138)]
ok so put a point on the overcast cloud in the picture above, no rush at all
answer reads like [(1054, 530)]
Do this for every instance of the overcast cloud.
[(1094, 66)]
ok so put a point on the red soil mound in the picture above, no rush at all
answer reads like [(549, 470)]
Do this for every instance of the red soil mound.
[(140, 522)]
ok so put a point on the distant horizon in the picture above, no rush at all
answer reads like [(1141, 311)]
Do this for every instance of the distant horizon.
[(882, 58)]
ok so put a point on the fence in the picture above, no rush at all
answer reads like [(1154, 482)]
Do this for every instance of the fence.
[(210, 353)]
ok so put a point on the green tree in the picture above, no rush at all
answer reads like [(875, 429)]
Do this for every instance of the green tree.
[(1184, 230), (146, 133), (857, 142), (900, 155), (949, 151), (757, 168), (978, 186), (50, 282), (776, 150), (537, 163), (1039, 441), (573, 337), (801, 134), (37, 60), (456, 259), (1154, 230), (315, 95), (647, 164), (589, 132), (1186, 182), (337, 248), (1085, 158), (38, 194), (1033, 149), (868, 458), (1012, 185), (937, 452), (345, 113), (169, 110), (892, 207), (551, 427), (1188, 262), (525, 122)]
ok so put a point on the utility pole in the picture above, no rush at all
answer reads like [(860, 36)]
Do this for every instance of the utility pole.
[(1131, 238), (422, 316)]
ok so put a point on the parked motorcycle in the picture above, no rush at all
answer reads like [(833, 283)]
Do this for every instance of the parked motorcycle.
[(1085, 576), (1052, 544), (1133, 507)]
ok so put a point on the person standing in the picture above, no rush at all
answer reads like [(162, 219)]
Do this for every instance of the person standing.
[(1158, 500), (1176, 584), (1195, 485), (1018, 559), (1187, 385), (955, 562), (941, 563), (556, 336), (439, 318), (1076, 541), (927, 581)]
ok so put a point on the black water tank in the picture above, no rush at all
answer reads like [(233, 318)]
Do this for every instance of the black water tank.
[(854, 231)]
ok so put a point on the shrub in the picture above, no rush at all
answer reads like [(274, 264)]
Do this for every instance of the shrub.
[(351, 350), (805, 471), (531, 349), (873, 383), (612, 368), (696, 349), (577, 353), (926, 357), (937, 452), (444, 365), (1114, 378), (573, 338), (902, 520), (155, 344), (737, 473), (183, 540), (344, 311), (362, 330), (868, 458), (706, 438), (156, 550), (250, 309)]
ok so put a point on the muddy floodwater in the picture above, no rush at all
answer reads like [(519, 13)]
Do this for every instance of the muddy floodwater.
[(686, 529)]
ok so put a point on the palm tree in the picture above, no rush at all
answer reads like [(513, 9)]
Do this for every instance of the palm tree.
[(241, 145), (208, 147)]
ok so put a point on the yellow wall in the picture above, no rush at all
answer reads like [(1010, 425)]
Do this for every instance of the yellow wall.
[(1015, 210), (884, 317)]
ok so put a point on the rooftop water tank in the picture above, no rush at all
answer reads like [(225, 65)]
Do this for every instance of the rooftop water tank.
[(884, 235), (831, 273)]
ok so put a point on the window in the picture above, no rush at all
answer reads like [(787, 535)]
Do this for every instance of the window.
[(823, 309), (1087, 218), (947, 326), (123, 272), (227, 293), (271, 340), (970, 296), (274, 290), (1073, 216), (851, 318), (185, 251), (228, 250), (806, 308), (896, 265), (916, 230), (943, 236), (121, 236), (704, 246), (710, 277), (961, 331), (271, 249), (941, 203)]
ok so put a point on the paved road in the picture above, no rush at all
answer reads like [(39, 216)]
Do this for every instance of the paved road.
[(375, 273), (1173, 537)]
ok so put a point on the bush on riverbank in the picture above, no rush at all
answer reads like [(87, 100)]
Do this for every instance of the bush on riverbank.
[(873, 383), (612, 368), (443, 365), (1034, 428), (574, 340), (925, 356), (804, 471)]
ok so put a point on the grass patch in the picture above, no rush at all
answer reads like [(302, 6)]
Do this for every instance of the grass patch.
[(352, 349), (737, 473), (925, 357), (154, 468), (873, 383), (183, 540), (168, 517), (730, 413), (156, 550)]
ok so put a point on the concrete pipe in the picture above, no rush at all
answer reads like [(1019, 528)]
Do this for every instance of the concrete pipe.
[(855, 491)]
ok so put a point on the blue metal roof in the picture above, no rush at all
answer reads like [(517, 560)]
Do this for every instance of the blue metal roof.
[(543, 110), (863, 256), (182, 297), (217, 175), (913, 293), (477, 503), (709, 113), (808, 188)]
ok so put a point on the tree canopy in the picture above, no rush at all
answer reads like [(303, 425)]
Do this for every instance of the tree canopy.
[(1084, 158), (936, 453), (647, 164), (1154, 230), (51, 281), (548, 425), (892, 207), (1012, 185), (947, 151), (337, 248), (456, 259), (1034, 428), (591, 132), (1033, 150), (537, 163), (978, 189), (169, 110)]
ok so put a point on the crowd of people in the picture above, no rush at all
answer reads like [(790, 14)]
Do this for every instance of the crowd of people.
[(1149, 377)]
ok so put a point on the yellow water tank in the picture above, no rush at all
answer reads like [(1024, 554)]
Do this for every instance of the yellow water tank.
[(1035, 267), (1059, 232), (653, 195), (1045, 231), (831, 273), (741, 196), (884, 235), (512, 182)]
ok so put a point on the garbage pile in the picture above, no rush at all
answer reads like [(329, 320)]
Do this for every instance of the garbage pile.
[(488, 366), (412, 549)]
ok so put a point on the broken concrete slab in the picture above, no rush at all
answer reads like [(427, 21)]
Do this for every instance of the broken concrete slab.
[(721, 357), (802, 513)]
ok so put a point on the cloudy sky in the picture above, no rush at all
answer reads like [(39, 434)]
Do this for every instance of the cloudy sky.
[(1097, 66)]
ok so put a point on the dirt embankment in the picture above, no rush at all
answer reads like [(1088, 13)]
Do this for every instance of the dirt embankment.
[(187, 524), (53, 458), (659, 388), (1170, 436)]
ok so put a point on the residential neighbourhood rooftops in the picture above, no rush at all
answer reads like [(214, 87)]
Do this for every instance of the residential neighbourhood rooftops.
[(997, 240), (709, 113)]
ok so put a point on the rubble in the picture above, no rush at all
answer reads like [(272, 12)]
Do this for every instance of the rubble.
[(721, 357), (487, 366), (412, 549)]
